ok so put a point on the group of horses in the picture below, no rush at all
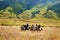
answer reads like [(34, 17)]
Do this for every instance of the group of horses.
[(32, 27)]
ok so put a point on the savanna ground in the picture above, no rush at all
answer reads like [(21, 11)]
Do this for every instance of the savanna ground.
[(51, 30), (14, 33)]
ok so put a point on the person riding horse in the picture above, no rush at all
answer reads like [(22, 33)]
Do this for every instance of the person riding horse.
[(25, 27), (32, 28), (37, 27)]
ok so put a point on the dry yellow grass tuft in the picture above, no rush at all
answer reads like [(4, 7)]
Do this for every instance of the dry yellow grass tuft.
[(14, 33)]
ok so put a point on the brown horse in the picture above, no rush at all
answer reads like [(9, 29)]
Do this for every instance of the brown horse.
[(32, 28)]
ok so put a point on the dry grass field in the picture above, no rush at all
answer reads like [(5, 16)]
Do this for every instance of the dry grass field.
[(10, 30), (14, 33), (15, 13)]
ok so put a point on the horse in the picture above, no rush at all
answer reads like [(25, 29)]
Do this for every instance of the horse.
[(25, 27), (38, 27), (32, 28)]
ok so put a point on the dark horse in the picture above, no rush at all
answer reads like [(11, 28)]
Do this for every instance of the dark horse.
[(25, 27)]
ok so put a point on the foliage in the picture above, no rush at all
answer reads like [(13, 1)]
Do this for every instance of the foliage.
[(25, 15), (17, 8), (51, 14), (28, 9)]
